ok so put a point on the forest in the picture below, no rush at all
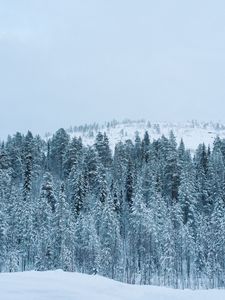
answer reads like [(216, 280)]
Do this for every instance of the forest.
[(147, 212)]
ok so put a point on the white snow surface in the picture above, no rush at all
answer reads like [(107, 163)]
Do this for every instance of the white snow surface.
[(59, 285), (192, 132)]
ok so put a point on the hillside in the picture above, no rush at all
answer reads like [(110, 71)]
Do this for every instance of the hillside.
[(192, 132)]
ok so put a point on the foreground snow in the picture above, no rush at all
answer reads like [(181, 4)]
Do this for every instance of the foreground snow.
[(58, 285)]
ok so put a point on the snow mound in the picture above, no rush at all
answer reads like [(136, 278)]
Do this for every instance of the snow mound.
[(59, 285)]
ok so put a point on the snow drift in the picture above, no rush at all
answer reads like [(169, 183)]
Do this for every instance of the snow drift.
[(59, 285)]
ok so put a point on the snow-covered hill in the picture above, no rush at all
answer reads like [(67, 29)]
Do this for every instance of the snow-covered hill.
[(58, 285), (192, 132)]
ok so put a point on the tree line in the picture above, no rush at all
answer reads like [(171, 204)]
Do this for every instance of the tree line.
[(150, 212)]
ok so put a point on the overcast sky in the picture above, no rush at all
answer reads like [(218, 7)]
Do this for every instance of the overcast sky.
[(68, 62)]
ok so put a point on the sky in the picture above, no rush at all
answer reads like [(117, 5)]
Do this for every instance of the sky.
[(72, 62)]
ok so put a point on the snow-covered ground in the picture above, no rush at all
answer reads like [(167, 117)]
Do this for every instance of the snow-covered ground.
[(58, 285), (192, 132)]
